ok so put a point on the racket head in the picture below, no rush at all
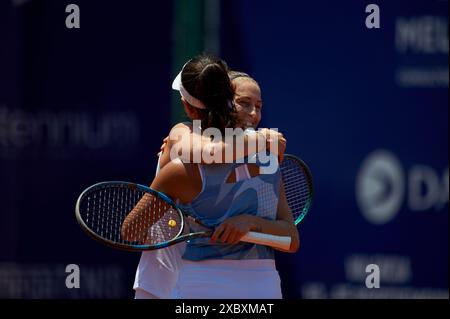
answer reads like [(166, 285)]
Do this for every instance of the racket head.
[(102, 208), (298, 186)]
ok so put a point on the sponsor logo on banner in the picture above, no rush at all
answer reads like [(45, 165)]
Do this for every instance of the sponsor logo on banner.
[(383, 183), (416, 39), (59, 134)]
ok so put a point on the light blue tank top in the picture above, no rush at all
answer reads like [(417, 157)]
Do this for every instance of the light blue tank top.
[(219, 200)]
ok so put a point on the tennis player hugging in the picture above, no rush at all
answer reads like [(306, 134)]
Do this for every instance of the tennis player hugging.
[(230, 198)]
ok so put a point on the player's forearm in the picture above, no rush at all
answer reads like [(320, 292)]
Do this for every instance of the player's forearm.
[(278, 228), (229, 150), (252, 143), (195, 148), (136, 224)]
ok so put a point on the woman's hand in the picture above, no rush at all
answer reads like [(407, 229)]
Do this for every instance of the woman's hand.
[(274, 137), (161, 149), (233, 228)]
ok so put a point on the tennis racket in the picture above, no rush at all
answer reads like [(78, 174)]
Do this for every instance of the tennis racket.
[(297, 181), (134, 217)]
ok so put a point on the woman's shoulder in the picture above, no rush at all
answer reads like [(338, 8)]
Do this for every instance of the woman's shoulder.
[(180, 129), (177, 169), (180, 180), (182, 125)]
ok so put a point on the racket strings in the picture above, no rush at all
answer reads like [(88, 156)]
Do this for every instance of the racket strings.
[(297, 186), (267, 201), (128, 215), (161, 222)]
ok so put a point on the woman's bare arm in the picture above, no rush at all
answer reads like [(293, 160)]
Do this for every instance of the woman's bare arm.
[(178, 181), (139, 220), (233, 228), (190, 146)]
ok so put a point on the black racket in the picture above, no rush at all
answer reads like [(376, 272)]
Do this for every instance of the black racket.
[(134, 217)]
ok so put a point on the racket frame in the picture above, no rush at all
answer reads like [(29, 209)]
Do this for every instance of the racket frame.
[(136, 247), (179, 237), (309, 179)]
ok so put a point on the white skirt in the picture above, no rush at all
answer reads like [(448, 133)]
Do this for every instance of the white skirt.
[(228, 279), (157, 272)]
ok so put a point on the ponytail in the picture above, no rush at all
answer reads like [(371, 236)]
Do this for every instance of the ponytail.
[(206, 78)]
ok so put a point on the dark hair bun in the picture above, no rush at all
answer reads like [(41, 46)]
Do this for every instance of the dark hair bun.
[(206, 78)]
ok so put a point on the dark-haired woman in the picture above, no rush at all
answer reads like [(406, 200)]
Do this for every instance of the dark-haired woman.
[(225, 261)]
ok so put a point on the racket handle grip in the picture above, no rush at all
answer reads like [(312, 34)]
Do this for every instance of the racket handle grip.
[(282, 242)]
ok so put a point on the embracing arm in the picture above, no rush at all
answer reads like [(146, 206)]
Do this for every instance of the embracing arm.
[(191, 146), (174, 180), (233, 228), (283, 225), (138, 221)]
